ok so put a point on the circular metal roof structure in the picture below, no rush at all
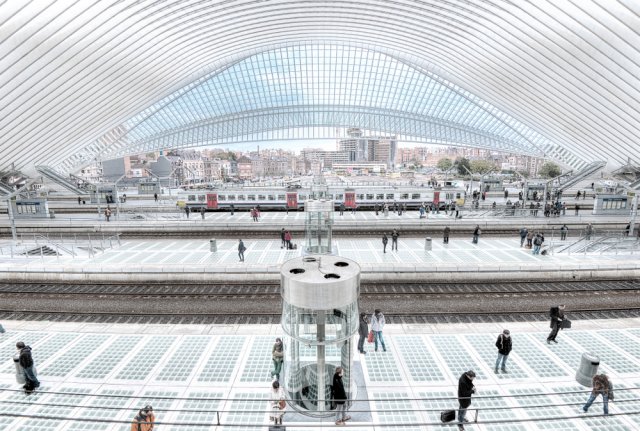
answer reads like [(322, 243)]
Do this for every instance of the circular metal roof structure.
[(86, 80)]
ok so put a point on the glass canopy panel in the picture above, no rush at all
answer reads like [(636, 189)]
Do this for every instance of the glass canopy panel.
[(328, 77)]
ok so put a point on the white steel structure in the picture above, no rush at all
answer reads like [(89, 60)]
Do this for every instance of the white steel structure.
[(87, 80)]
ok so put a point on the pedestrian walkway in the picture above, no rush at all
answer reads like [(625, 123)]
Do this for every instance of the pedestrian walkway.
[(199, 373)]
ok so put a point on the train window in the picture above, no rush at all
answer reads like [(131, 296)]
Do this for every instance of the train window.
[(390, 196), (415, 196), (458, 195), (360, 196), (280, 197), (240, 197), (231, 197), (221, 197), (251, 197), (201, 198), (380, 196), (271, 197), (261, 197), (192, 198), (339, 196), (369, 197), (404, 196), (302, 197), (329, 196)]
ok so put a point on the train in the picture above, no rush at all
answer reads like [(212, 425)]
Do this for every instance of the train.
[(293, 197)]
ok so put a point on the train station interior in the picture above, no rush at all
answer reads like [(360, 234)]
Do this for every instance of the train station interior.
[(171, 294)]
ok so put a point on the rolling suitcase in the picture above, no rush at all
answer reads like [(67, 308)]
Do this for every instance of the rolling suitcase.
[(447, 416)]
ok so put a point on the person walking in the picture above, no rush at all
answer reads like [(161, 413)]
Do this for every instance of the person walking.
[(241, 249), (394, 240), (563, 232), (523, 235), (339, 396), (144, 420), (363, 332), (232, 208), (385, 240), (26, 362), (476, 234), (202, 212), (277, 402), (557, 316), (377, 325), (277, 358), (186, 211), (447, 231), (601, 385), (283, 242), (155, 197), (107, 213), (465, 390), (627, 229), (341, 208), (577, 208), (79, 200), (503, 343)]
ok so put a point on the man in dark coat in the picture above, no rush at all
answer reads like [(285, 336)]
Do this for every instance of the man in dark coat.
[(447, 231), (340, 397), (385, 240), (465, 390), (557, 316), (26, 362), (503, 343), (363, 332)]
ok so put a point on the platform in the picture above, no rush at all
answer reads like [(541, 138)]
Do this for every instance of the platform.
[(105, 371), (191, 260)]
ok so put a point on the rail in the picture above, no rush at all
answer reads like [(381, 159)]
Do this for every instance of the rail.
[(256, 417)]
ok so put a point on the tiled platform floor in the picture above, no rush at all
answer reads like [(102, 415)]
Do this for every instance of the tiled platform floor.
[(194, 253), (189, 373)]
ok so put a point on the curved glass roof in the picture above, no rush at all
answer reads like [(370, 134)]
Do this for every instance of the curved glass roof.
[(98, 79)]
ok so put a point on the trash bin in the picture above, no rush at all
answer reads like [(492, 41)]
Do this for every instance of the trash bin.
[(213, 245), (427, 244), (588, 368), (52, 214)]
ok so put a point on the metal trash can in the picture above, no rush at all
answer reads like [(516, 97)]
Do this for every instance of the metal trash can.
[(427, 244), (52, 214), (213, 245), (588, 368)]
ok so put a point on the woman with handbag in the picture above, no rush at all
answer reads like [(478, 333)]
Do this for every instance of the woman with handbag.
[(277, 403)]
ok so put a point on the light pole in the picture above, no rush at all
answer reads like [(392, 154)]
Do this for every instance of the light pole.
[(115, 186)]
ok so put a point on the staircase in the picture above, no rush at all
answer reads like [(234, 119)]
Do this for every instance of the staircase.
[(43, 250), (579, 176), (60, 180)]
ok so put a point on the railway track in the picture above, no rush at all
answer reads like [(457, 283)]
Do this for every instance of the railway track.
[(237, 304), (270, 290)]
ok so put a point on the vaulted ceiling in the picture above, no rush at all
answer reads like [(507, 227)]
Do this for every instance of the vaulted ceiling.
[(84, 80)]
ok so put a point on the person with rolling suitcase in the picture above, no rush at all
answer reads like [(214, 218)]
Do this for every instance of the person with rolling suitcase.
[(465, 390), (28, 369)]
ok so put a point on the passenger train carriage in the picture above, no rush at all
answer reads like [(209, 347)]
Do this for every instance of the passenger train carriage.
[(292, 198)]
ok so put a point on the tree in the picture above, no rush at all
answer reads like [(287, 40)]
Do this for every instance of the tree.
[(481, 166), (524, 173), (444, 164), (462, 164), (549, 170)]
